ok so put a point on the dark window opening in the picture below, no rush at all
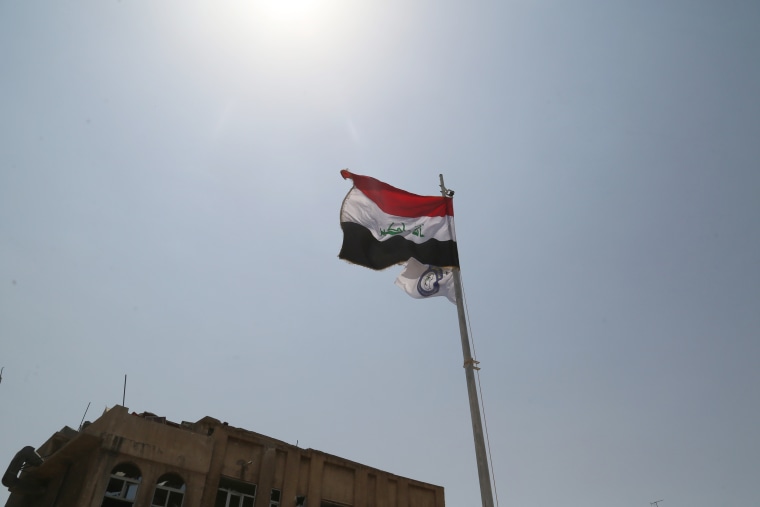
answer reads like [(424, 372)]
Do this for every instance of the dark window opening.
[(232, 493), (121, 490), (170, 491)]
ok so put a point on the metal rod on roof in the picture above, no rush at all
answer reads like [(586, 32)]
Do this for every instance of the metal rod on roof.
[(124, 394), (84, 415)]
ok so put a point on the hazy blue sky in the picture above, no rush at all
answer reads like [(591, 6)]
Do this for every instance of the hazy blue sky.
[(169, 204)]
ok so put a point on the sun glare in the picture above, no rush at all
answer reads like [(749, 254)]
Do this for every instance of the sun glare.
[(241, 21), (289, 10), (285, 38)]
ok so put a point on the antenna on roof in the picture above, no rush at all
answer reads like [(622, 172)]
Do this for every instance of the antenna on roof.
[(655, 503), (84, 415), (124, 394)]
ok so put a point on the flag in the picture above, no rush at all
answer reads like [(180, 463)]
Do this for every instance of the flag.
[(423, 281), (383, 225)]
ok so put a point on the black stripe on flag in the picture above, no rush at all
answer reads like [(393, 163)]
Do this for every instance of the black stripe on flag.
[(361, 247)]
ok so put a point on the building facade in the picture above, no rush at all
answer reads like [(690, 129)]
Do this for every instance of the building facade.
[(141, 460)]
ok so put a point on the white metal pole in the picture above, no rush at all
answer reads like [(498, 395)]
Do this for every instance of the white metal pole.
[(470, 365), (481, 457)]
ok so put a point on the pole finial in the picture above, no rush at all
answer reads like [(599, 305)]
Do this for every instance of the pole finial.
[(446, 192)]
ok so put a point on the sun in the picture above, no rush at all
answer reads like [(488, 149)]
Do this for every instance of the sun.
[(245, 19), (261, 33), (284, 10)]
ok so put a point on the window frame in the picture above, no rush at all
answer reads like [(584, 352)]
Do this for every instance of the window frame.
[(171, 491), (227, 485), (272, 501), (129, 485)]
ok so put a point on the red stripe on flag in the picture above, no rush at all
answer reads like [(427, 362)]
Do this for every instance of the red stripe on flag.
[(400, 203)]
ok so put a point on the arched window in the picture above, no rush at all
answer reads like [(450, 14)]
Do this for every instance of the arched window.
[(170, 491), (233, 493), (122, 486)]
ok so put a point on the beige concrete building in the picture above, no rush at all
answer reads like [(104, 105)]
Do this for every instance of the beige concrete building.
[(141, 460)]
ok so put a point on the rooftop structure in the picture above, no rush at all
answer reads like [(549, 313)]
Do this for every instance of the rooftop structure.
[(127, 459)]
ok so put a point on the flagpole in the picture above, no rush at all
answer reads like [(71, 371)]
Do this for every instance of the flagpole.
[(470, 365)]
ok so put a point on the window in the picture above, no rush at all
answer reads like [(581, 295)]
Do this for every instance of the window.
[(234, 493), (122, 486), (274, 498), (170, 491)]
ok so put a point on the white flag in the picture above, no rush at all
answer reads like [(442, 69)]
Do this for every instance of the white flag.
[(423, 281)]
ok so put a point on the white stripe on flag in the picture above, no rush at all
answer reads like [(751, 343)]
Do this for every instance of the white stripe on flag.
[(360, 209)]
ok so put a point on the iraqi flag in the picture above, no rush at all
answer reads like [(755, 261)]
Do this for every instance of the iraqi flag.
[(383, 225)]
